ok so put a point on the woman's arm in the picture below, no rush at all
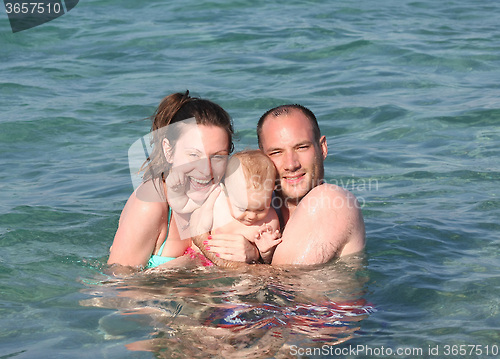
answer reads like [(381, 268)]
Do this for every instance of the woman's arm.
[(141, 224)]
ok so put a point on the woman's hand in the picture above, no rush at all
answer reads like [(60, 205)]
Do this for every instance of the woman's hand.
[(234, 247)]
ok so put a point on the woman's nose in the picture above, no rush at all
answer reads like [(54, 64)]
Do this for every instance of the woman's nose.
[(205, 167)]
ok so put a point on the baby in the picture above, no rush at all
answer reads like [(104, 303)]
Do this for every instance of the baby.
[(244, 205)]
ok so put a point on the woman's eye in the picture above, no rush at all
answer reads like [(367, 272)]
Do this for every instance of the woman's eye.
[(219, 158)]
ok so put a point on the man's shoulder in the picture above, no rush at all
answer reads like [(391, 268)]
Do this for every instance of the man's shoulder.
[(339, 208), (328, 188), (338, 205), (331, 197)]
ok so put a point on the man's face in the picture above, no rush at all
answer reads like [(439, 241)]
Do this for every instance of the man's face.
[(289, 142)]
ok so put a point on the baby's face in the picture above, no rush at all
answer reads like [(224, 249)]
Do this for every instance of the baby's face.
[(247, 205), (251, 208)]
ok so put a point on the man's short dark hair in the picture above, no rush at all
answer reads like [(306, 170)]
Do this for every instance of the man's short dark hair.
[(286, 109)]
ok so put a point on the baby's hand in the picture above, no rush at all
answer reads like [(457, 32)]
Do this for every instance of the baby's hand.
[(266, 240), (176, 191), (176, 182)]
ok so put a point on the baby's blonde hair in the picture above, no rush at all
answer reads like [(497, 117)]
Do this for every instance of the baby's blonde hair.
[(258, 169)]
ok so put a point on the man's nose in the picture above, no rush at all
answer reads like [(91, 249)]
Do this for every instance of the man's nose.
[(291, 161)]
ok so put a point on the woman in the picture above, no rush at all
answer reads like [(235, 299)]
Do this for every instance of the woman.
[(196, 144)]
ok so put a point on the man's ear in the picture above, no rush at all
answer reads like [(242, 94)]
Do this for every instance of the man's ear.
[(323, 146), (167, 150)]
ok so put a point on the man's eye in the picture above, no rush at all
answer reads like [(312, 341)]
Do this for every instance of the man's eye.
[(274, 153)]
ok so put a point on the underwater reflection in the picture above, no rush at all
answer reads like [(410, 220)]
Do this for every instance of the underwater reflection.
[(256, 312)]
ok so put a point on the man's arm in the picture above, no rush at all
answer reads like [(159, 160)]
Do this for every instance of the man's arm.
[(327, 224)]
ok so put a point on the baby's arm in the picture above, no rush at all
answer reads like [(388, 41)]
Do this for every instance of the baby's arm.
[(176, 193), (266, 240)]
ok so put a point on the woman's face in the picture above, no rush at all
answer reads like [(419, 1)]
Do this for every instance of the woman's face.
[(201, 154)]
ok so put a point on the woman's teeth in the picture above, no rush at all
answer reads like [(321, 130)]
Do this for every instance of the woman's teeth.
[(199, 181)]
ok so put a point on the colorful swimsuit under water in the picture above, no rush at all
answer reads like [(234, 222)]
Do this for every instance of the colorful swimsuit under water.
[(157, 259)]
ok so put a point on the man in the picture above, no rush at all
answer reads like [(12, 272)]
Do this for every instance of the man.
[(321, 221)]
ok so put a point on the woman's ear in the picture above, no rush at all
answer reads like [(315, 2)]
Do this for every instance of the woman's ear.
[(167, 150)]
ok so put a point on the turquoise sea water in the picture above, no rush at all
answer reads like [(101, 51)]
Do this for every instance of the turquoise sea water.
[(408, 96)]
